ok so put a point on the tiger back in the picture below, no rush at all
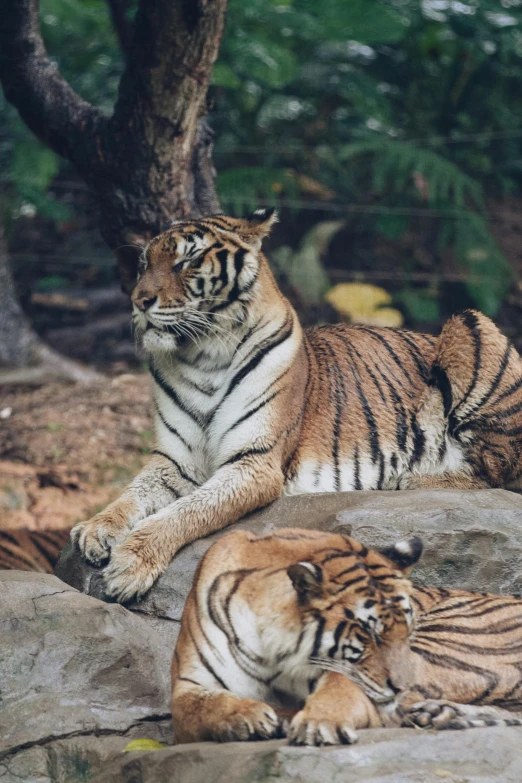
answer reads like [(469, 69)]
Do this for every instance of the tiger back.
[(313, 636)]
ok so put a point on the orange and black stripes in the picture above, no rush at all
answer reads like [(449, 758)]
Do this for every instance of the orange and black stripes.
[(291, 602), (31, 550), (478, 374)]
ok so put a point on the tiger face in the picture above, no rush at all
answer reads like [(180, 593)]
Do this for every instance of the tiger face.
[(197, 278), (361, 601)]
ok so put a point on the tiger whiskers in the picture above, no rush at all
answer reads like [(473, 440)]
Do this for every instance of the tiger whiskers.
[(203, 320)]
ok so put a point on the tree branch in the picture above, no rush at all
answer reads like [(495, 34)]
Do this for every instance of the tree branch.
[(123, 27), (33, 84), (202, 195)]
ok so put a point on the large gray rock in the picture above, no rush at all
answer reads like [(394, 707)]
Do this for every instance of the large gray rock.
[(81, 677), (473, 540), (382, 756), (73, 669)]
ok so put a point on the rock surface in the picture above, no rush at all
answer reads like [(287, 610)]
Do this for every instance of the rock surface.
[(381, 756), (473, 540), (80, 677), (76, 670)]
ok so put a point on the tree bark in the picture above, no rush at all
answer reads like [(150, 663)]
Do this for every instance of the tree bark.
[(21, 350), (151, 162)]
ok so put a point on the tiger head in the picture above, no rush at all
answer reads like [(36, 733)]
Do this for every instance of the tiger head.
[(361, 600), (198, 277)]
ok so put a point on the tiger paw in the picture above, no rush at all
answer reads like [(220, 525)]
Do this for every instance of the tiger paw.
[(305, 730), (439, 714), (132, 571), (97, 536), (251, 720)]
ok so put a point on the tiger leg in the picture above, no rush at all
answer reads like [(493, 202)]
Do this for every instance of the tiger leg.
[(442, 714), (157, 485), (332, 713), (200, 715), (446, 480), (235, 489)]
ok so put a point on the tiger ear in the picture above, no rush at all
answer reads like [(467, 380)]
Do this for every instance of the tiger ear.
[(404, 554), (255, 228), (307, 580)]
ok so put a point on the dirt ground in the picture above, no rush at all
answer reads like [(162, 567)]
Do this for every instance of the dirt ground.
[(67, 450)]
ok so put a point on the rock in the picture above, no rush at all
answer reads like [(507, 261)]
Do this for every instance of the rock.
[(75, 759), (76, 674), (473, 540), (381, 756)]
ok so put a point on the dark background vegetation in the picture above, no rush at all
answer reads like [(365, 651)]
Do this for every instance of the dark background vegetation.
[(388, 134)]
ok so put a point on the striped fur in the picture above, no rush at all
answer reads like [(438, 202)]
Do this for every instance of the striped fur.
[(31, 550), (248, 406), (312, 635)]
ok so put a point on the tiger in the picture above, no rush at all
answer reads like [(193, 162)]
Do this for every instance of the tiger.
[(313, 636), (31, 550), (249, 406)]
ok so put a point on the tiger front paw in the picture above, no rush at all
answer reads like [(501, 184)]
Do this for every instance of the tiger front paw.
[(305, 729), (133, 568), (97, 536), (251, 720)]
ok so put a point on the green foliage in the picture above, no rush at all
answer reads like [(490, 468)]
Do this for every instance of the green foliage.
[(420, 304), (303, 268), (405, 106), (395, 163), (458, 197), (79, 36), (241, 188), (488, 270), (397, 108)]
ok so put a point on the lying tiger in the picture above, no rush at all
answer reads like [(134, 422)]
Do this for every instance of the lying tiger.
[(31, 550), (317, 622), (249, 406)]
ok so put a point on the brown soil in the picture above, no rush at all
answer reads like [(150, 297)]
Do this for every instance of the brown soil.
[(67, 450)]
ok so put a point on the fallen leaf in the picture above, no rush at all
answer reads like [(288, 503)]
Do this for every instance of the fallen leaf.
[(362, 303), (143, 744)]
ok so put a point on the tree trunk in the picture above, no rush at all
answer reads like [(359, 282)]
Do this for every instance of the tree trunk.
[(17, 339), (21, 350), (148, 164)]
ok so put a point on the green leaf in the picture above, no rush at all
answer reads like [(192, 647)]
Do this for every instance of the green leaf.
[(242, 189), (366, 21), (264, 60), (395, 162), (488, 271), (224, 76), (420, 305), (391, 226), (34, 164)]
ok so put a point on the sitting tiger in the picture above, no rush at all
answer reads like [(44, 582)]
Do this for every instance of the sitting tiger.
[(249, 406), (315, 625)]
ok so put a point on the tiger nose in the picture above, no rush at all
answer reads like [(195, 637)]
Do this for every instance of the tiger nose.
[(145, 302)]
